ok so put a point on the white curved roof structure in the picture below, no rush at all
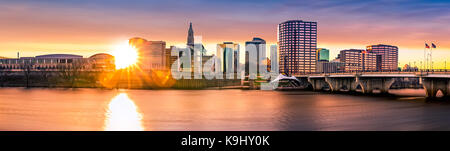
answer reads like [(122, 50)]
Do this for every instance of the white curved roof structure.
[(283, 77), (59, 56)]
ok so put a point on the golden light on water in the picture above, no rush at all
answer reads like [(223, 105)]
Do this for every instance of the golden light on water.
[(129, 72), (125, 55), (123, 115)]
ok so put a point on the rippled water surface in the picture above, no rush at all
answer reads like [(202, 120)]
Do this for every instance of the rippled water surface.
[(95, 109)]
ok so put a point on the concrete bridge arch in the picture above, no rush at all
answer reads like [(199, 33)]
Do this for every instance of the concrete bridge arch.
[(433, 85), (351, 83), (368, 84), (432, 82)]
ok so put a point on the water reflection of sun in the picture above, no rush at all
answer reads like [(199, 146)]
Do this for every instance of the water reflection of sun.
[(123, 115)]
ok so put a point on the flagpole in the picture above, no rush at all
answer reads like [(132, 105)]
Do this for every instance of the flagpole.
[(431, 56), (424, 58), (428, 59)]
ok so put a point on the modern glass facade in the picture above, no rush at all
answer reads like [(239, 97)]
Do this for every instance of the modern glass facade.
[(228, 52), (260, 45), (323, 54), (297, 41)]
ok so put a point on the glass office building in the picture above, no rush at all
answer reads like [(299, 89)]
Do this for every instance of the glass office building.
[(260, 45), (323, 54), (228, 52)]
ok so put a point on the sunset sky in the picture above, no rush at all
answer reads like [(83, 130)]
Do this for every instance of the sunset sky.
[(87, 27)]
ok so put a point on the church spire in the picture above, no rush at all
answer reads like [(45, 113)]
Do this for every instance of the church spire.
[(190, 38)]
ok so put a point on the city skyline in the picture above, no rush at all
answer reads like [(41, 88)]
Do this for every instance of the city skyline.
[(76, 29)]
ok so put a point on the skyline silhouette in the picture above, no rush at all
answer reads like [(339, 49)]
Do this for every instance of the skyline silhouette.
[(90, 27)]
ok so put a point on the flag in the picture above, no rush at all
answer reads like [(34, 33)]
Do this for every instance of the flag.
[(433, 46), (426, 46)]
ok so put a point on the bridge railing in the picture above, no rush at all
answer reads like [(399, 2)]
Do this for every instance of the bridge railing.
[(418, 72)]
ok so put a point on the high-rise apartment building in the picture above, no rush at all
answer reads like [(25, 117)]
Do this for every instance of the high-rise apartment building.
[(297, 41), (387, 56)]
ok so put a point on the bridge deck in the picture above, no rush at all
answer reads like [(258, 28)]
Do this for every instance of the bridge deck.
[(379, 74)]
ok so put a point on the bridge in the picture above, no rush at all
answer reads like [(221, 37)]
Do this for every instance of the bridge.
[(432, 81)]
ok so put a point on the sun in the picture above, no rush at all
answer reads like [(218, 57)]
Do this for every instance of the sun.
[(125, 55)]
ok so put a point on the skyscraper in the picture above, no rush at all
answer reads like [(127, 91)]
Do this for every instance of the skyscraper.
[(260, 45), (387, 56), (228, 52), (298, 43)]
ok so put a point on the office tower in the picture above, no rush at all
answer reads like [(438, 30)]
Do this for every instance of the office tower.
[(228, 52), (322, 54), (368, 61), (358, 60), (151, 53), (352, 59), (387, 56), (260, 45), (297, 41)]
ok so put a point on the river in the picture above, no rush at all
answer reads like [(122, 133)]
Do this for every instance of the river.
[(98, 109)]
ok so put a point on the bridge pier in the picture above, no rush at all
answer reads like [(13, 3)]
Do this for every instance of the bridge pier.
[(369, 84), (433, 85), (432, 81), (337, 83), (317, 83)]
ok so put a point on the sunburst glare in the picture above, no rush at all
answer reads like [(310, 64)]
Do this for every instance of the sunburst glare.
[(125, 55)]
